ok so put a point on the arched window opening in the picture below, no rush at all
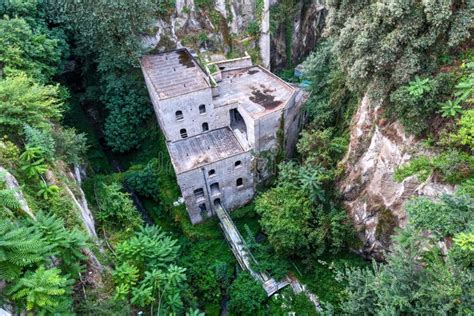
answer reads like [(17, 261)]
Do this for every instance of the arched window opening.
[(179, 115), (202, 109), (238, 163), (205, 127), (211, 172), (183, 133), (199, 194), (215, 189), (239, 182)]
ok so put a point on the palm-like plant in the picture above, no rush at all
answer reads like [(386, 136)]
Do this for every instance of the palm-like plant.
[(47, 191), (450, 108), (33, 164), (419, 86)]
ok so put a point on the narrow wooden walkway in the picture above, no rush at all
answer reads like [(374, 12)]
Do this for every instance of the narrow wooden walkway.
[(244, 257)]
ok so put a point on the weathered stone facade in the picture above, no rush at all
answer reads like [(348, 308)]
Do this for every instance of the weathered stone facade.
[(215, 124)]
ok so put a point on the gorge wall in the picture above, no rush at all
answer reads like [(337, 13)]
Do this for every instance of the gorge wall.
[(373, 199), (234, 26)]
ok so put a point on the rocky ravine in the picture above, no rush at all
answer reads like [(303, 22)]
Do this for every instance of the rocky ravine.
[(373, 199)]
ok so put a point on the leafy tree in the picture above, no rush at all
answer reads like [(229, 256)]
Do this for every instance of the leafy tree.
[(381, 44), (286, 213), (41, 139), (115, 38), (319, 224), (246, 295), (116, 206), (147, 273), (144, 180), (416, 103), (414, 281), (23, 101), (32, 50), (70, 146), (42, 291), (127, 102), (462, 252)]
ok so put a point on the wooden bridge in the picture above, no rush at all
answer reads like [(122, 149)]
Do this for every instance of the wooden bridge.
[(241, 252)]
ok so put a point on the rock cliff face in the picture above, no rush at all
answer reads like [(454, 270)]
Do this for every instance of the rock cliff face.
[(202, 28), (305, 26), (226, 23), (373, 199)]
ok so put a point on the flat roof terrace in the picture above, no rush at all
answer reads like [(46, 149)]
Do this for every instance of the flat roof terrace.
[(194, 152), (255, 88), (174, 73)]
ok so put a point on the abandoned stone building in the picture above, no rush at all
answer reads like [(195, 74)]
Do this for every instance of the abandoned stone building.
[(217, 125)]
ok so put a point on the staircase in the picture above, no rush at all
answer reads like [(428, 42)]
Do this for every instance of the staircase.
[(244, 257)]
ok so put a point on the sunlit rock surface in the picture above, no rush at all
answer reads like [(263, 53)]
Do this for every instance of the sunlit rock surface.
[(374, 200)]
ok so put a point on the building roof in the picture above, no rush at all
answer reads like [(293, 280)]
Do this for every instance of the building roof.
[(174, 73), (256, 89), (193, 152)]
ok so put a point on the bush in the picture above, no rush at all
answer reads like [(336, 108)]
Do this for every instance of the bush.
[(415, 103), (465, 134), (447, 217), (246, 295), (144, 180), (116, 207), (452, 166)]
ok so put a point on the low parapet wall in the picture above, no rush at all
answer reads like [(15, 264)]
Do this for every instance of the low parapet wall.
[(233, 63)]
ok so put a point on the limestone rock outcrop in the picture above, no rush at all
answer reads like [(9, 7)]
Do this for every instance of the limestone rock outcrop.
[(373, 199), (306, 29)]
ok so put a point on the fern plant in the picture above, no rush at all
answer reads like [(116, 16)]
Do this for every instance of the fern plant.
[(8, 202), (41, 291), (20, 247), (64, 244)]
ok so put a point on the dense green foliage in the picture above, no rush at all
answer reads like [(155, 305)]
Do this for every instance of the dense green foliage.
[(382, 44), (145, 274), (412, 55), (247, 295), (415, 280)]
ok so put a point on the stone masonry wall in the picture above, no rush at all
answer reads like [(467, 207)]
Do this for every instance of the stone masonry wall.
[(226, 175)]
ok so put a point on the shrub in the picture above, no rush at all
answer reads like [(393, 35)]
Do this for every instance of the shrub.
[(246, 295), (415, 103), (452, 166), (144, 180), (420, 166), (465, 134), (116, 206), (450, 215), (41, 139)]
